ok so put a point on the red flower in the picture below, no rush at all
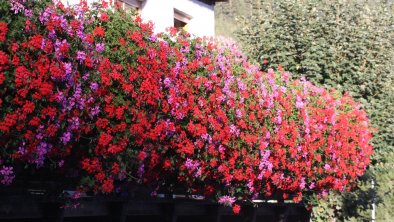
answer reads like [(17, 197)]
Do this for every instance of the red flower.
[(46, 89), (114, 149), (167, 164), (88, 62), (99, 31), (36, 41), (101, 123), (3, 31), (104, 17), (4, 61), (74, 24), (236, 209), (91, 166), (104, 4), (2, 78), (115, 168), (141, 155), (15, 60), (108, 186), (89, 38), (28, 108), (14, 47), (104, 139), (100, 176)]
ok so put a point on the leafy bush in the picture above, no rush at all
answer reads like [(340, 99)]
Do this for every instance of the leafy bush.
[(95, 92)]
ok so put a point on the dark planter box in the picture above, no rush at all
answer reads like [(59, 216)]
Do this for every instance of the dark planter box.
[(38, 204), (28, 208)]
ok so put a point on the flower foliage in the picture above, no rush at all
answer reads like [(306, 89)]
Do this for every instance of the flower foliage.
[(98, 88)]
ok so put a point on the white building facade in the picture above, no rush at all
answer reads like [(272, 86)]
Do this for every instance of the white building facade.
[(195, 16)]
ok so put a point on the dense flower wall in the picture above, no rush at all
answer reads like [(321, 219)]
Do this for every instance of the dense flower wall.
[(97, 91)]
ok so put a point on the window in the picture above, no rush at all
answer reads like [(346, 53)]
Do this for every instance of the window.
[(181, 20), (130, 4)]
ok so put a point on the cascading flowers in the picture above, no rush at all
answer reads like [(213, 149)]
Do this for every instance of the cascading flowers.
[(98, 88)]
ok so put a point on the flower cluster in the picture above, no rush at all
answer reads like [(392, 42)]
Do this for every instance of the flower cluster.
[(97, 87), (245, 133)]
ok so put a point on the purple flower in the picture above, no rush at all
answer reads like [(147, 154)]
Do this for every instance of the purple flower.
[(74, 123), (266, 155), (66, 138), (95, 111), (93, 86), (278, 119), (81, 56), (52, 35), (191, 165), (153, 38), (299, 103), (167, 82), (267, 135), (67, 67), (59, 44), (21, 150), (78, 92), (8, 175), (241, 85), (17, 6), (63, 23), (234, 130), (302, 183), (170, 99), (45, 15), (28, 13), (222, 149), (250, 186), (185, 49), (81, 34), (238, 113), (332, 119), (100, 47), (226, 200), (141, 170), (198, 172), (81, 103), (39, 136), (42, 149), (122, 175), (60, 163), (151, 53), (76, 195), (86, 76), (177, 68)]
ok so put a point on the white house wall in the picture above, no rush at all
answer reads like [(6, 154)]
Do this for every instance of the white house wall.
[(202, 22), (161, 13)]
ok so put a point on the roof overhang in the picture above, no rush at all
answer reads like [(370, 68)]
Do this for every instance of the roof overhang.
[(212, 2)]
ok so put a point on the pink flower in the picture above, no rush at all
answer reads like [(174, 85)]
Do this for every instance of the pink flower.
[(226, 200)]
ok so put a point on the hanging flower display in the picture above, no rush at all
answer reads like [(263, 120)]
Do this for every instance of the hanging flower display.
[(97, 91)]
